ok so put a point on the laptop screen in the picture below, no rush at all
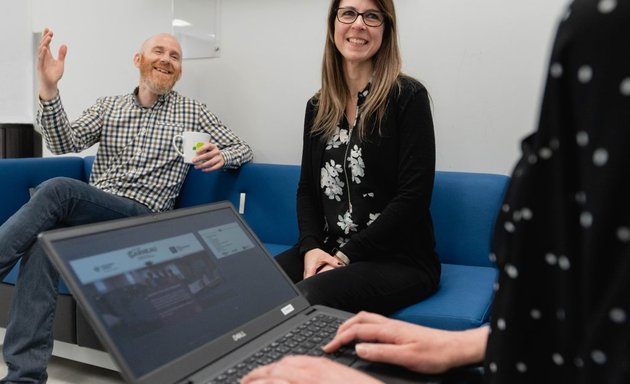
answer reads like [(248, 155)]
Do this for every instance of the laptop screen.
[(161, 288)]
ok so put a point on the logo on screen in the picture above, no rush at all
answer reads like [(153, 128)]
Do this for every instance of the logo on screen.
[(177, 248), (141, 252)]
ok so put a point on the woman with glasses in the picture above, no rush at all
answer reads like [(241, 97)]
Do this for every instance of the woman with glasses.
[(562, 239), (368, 163)]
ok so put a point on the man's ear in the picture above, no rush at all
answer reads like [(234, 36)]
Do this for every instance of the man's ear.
[(136, 60)]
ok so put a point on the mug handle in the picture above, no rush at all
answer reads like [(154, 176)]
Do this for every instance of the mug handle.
[(175, 144)]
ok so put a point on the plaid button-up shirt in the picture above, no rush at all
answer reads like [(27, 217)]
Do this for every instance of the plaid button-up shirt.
[(136, 158)]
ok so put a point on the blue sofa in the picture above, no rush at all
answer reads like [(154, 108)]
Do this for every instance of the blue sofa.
[(464, 208)]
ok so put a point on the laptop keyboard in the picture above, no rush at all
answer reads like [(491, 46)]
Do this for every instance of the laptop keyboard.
[(305, 339)]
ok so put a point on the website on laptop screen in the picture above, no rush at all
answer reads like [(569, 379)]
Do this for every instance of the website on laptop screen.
[(165, 288)]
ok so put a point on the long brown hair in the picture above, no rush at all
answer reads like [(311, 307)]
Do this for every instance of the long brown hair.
[(331, 98)]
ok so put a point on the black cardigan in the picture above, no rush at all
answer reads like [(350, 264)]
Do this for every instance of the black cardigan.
[(403, 157)]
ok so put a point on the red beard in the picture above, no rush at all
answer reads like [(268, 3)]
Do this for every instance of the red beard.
[(157, 82)]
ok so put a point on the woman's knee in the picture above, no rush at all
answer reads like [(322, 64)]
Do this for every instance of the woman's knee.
[(312, 293), (292, 263), (319, 290)]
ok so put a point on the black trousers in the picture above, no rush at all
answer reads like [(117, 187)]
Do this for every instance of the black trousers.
[(379, 286)]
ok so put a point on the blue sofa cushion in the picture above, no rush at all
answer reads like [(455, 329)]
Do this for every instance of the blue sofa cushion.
[(270, 200), (464, 208), (276, 249), (462, 301), (20, 175), (88, 161), (265, 192), (206, 187)]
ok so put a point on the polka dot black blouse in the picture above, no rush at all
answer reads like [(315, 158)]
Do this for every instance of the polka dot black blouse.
[(562, 240)]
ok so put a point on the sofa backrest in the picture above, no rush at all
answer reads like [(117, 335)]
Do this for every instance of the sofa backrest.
[(464, 208), (464, 205), (199, 187), (268, 191), (87, 167), (265, 194), (19, 176)]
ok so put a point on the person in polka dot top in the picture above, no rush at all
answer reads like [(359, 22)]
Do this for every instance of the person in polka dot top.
[(562, 239)]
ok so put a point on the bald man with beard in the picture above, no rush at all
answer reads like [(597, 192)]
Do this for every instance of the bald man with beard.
[(136, 171)]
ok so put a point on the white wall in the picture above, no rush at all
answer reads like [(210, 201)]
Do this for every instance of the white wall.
[(102, 37), (16, 69), (483, 62)]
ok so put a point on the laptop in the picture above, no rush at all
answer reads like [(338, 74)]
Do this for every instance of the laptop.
[(191, 296)]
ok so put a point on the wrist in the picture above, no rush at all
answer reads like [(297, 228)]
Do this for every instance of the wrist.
[(47, 94), (468, 347)]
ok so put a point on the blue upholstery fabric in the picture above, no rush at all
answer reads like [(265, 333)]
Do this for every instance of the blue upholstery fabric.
[(463, 300), (269, 198), (87, 167), (202, 187), (270, 201), (464, 207), (276, 249), (19, 176)]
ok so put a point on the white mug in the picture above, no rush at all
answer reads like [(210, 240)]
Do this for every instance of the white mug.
[(191, 142)]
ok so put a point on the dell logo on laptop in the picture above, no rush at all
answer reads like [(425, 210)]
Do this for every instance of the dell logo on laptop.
[(238, 335)]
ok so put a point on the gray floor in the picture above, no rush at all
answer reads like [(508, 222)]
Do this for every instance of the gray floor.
[(63, 371)]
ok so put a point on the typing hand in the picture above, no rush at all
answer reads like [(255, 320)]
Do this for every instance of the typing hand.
[(412, 346), (306, 370)]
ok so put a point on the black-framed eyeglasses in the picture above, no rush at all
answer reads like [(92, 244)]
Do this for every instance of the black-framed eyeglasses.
[(370, 18)]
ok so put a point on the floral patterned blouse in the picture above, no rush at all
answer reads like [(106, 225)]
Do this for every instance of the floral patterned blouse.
[(349, 202)]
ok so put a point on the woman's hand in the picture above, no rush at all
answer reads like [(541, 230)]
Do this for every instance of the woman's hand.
[(412, 346), (317, 261), (306, 370)]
